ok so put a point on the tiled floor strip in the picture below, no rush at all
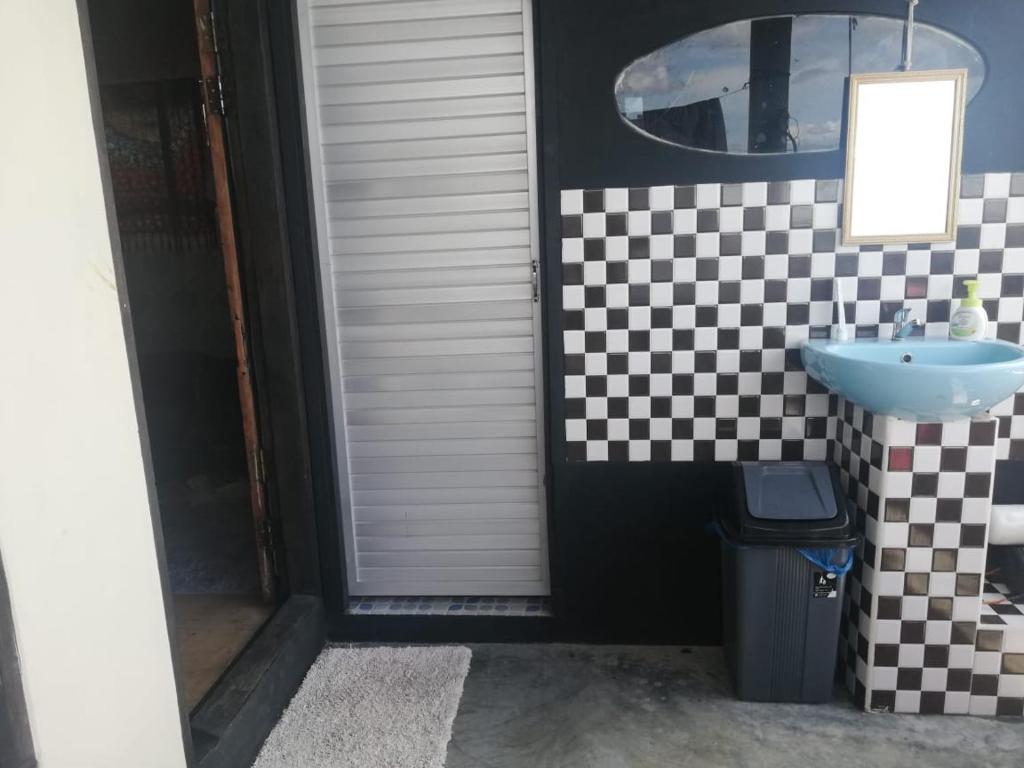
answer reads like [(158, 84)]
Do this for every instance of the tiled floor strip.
[(450, 606)]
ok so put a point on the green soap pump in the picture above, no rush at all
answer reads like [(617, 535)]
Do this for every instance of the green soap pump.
[(969, 321)]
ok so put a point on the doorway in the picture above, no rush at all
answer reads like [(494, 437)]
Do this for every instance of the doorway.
[(168, 167)]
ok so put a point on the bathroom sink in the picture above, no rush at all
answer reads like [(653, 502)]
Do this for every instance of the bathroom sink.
[(918, 379)]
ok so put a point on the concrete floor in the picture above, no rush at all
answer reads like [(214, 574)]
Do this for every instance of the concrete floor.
[(535, 706)]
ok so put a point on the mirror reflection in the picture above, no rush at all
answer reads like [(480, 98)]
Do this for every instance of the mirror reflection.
[(773, 85)]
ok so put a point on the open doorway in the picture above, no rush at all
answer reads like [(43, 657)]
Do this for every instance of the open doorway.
[(168, 167)]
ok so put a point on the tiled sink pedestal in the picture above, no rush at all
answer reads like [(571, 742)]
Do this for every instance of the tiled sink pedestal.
[(916, 638)]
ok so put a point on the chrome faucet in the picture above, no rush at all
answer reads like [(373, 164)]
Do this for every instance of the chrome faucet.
[(902, 324)]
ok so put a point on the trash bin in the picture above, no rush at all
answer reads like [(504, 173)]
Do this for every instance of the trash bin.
[(787, 543)]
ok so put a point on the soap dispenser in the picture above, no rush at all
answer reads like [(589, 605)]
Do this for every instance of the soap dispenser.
[(969, 321)]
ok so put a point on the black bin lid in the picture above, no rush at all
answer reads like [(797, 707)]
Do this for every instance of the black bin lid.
[(786, 503)]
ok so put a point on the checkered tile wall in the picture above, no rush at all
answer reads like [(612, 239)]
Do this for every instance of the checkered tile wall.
[(997, 687), (921, 494), (684, 309)]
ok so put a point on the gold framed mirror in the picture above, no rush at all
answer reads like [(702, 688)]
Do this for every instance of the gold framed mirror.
[(903, 148)]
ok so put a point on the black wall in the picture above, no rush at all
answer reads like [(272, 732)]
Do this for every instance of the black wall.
[(631, 559), (591, 41)]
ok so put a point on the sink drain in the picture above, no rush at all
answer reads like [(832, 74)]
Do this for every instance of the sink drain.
[(906, 357)]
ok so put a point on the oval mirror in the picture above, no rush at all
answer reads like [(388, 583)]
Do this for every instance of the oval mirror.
[(773, 85)]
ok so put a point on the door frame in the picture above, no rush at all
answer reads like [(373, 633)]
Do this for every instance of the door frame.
[(333, 372), (214, 117), (539, 348), (275, 72), (246, 702), (334, 369)]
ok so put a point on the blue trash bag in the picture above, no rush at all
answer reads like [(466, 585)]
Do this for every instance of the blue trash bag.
[(831, 560), (837, 561)]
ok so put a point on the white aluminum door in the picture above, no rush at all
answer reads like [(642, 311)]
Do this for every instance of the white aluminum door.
[(421, 139)]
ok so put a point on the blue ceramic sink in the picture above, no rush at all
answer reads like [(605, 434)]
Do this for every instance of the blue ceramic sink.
[(918, 379)]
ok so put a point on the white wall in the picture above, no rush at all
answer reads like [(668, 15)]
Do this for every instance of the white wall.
[(75, 525)]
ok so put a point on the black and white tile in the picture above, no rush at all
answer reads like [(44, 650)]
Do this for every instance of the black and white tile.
[(859, 458), (684, 309), (998, 687), (922, 494), (1011, 427), (1000, 607)]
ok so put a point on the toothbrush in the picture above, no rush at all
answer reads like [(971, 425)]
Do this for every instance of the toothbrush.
[(839, 332)]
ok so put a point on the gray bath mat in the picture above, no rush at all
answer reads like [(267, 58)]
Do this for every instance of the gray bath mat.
[(371, 708)]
